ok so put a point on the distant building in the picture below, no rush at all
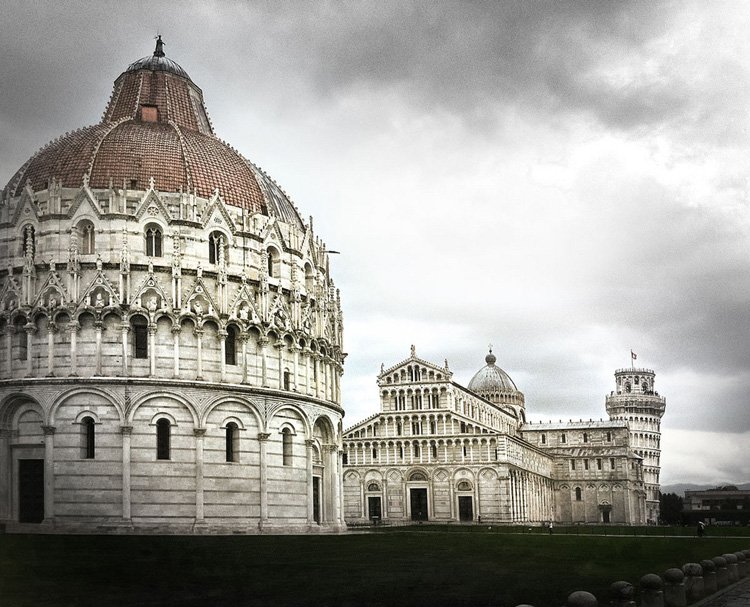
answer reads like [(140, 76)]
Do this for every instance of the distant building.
[(728, 505), (439, 451)]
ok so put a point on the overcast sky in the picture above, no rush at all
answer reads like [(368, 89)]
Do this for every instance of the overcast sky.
[(566, 181)]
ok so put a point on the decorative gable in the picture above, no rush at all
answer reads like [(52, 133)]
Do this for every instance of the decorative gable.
[(52, 293), (407, 369), (100, 293), (84, 200), (243, 305), (27, 207), (152, 205), (150, 295), (216, 214), (198, 300), (10, 293)]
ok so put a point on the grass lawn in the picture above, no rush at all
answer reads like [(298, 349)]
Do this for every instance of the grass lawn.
[(410, 566)]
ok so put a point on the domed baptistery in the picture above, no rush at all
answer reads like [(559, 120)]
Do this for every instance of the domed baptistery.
[(171, 336)]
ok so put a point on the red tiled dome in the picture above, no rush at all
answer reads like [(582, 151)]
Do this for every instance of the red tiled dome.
[(155, 125)]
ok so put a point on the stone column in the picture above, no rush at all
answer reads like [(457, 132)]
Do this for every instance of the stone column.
[(176, 350), (309, 450), (223, 343), (10, 330), (306, 352), (263, 440), (49, 474), (262, 342), (199, 336), (152, 348), (73, 329), (316, 375), (335, 514), (200, 434), (126, 432), (244, 337), (295, 375), (51, 330), (125, 329), (30, 330), (5, 484), (98, 355)]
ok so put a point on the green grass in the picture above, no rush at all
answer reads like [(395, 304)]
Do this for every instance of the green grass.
[(411, 566)]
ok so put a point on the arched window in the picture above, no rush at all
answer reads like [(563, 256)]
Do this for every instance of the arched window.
[(286, 446), (563, 439), (232, 442), (230, 346), (373, 487), (578, 494), (273, 262), (88, 438), (140, 336), (22, 339), (153, 241), (287, 376), (163, 431), (416, 450), (544, 439), (216, 247), (309, 279), (88, 237), (585, 437)]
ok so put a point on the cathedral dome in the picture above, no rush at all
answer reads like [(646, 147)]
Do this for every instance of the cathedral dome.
[(155, 126), (491, 378)]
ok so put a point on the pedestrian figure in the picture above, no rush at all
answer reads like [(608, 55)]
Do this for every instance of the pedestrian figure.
[(701, 528), (550, 527)]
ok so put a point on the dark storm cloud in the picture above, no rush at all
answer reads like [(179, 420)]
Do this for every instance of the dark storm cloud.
[(463, 57)]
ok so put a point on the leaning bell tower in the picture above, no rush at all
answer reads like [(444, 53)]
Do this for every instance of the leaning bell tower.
[(636, 401)]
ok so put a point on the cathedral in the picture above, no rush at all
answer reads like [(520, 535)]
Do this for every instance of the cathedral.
[(171, 335), (439, 451)]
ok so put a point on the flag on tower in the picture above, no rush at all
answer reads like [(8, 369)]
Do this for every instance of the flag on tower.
[(633, 355)]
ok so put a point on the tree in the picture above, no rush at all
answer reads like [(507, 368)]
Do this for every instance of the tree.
[(670, 505)]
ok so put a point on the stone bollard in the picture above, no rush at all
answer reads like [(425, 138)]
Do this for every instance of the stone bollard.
[(742, 565), (709, 577), (674, 588), (621, 594), (722, 573), (581, 598), (652, 594), (732, 572), (694, 589)]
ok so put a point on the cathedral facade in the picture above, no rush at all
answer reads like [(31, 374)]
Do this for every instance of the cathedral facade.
[(438, 451), (171, 335)]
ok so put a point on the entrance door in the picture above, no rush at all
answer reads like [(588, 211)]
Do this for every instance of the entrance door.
[(465, 508), (30, 490), (605, 516), (316, 499), (373, 507), (418, 504)]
